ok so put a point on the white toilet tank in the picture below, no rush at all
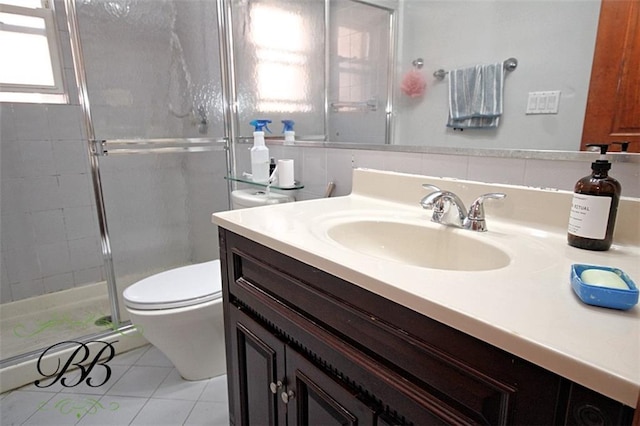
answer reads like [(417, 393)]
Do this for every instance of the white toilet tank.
[(243, 198)]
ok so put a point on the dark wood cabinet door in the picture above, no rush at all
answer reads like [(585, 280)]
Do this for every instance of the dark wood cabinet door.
[(318, 400), (259, 365), (613, 106)]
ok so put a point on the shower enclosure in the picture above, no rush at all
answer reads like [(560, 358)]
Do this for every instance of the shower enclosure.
[(120, 183)]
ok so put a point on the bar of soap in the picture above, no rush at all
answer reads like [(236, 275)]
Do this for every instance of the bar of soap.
[(602, 278)]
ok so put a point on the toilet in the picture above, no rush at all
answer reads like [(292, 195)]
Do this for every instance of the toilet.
[(243, 198), (179, 311)]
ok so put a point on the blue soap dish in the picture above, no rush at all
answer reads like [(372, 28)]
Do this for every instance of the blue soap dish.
[(607, 297)]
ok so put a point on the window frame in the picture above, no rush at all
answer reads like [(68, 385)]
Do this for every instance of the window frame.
[(55, 93)]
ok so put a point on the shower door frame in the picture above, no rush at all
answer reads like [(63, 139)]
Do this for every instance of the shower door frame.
[(102, 147)]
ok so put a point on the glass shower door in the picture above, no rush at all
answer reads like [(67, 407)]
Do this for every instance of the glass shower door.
[(154, 85)]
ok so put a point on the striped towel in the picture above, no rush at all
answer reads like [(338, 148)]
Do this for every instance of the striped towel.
[(475, 96)]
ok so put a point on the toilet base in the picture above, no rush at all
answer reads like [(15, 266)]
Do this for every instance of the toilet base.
[(191, 337)]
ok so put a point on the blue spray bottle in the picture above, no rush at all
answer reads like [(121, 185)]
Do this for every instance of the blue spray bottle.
[(259, 152), (289, 134)]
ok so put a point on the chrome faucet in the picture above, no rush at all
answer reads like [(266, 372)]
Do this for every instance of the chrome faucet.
[(448, 208)]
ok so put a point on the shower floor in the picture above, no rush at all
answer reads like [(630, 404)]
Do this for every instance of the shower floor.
[(39, 322)]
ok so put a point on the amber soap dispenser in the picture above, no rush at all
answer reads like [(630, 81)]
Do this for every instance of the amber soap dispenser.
[(594, 207)]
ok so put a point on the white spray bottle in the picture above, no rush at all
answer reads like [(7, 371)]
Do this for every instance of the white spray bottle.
[(289, 134), (259, 152)]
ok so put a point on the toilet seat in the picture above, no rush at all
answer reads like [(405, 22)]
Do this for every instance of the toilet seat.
[(176, 288)]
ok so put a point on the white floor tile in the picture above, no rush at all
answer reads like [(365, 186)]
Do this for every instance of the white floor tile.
[(209, 414), (164, 412), (140, 381), (63, 409), (113, 410), (17, 406), (154, 358), (175, 387), (216, 390)]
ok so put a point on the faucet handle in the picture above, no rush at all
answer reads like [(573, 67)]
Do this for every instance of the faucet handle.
[(475, 218)]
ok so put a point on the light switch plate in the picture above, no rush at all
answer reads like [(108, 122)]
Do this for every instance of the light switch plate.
[(546, 102)]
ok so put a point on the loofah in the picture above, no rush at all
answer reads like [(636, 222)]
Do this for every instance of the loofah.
[(413, 84)]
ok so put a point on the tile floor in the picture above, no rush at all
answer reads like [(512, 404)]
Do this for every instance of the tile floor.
[(144, 389)]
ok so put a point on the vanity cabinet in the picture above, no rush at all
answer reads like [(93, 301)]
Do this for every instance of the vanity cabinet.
[(305, 347)]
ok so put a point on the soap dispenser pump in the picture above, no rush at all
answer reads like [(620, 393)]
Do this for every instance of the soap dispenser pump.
[(594, 207)]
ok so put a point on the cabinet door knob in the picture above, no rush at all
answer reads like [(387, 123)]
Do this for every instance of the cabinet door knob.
[(275, 386), (287, 396)]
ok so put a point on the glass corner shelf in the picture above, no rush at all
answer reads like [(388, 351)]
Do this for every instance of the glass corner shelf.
[(297, 185)]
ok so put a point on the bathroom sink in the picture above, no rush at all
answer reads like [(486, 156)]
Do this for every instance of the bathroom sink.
[(435, 247)]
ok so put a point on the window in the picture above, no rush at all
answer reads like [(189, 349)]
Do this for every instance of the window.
[(31, 62), (281, 52)]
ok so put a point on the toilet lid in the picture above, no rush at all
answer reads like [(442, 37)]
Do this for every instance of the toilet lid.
[(175, 288)]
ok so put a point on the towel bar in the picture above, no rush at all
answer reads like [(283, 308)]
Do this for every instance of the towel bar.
[(509, 65)]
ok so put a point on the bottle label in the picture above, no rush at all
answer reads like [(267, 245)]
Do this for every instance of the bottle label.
[(589, 216)]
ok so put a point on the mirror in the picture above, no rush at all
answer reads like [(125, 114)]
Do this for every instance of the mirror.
[(553, 42)]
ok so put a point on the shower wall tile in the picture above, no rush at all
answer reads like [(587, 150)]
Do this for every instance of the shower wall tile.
[(48, 226), (57, 282), (84, 253), (22, 264), (70, 156), (64, 122), (37, 158), (41, 193), (18, 231), (30, 122), (11, 198), (54, 258), (27, 288), (88, 276), (7, 122), (11, 160), (81, 222), (5, 291), (75, 190)]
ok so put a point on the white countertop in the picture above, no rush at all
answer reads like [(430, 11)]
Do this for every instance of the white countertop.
[(527, 308)]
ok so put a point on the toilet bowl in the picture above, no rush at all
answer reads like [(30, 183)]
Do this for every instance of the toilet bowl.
[(179, 311)]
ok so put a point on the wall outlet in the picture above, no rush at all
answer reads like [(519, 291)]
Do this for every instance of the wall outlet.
[(546, 102)]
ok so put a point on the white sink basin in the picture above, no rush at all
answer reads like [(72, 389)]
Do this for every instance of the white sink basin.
[(435, 247)]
